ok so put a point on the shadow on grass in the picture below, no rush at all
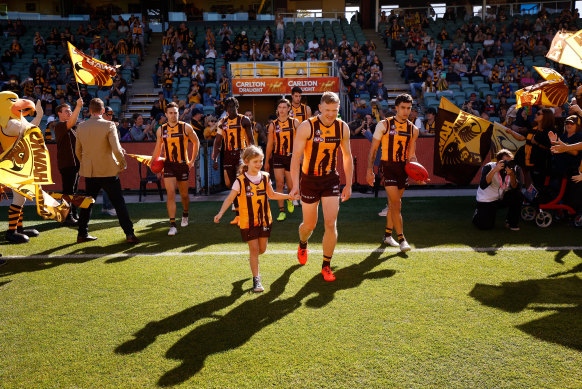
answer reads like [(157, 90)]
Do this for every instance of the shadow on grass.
[(240, 324), (148, 334), (2, 283), (563, 326)]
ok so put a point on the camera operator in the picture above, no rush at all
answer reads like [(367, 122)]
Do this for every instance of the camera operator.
[(499, 188)]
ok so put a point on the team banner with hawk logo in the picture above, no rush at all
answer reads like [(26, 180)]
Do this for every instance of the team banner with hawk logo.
[(566, 48), (503, 138), (553, 92), (461, 144), (26, 164), (90, 71)]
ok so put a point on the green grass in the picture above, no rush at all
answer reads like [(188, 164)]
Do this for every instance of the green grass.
[(432, 318)]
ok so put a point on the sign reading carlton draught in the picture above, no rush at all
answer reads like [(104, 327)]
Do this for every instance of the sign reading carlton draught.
[(461, 144), (283, 86)]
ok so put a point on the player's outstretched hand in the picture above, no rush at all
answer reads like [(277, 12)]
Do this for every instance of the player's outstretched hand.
[(346, 193), (423, 182), (217, 218), (577, 178)]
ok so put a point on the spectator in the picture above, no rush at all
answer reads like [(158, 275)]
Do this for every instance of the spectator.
[(197, 122), (453, 77), (498, 188), (428, 124), (167, 82), (124, 128), (139, 131), (210, 127), (280, 27), (225, 31), (208, 99)]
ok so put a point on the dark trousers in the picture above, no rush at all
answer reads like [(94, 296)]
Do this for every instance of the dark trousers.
[(70, 178), (111, 186), (484, 217)]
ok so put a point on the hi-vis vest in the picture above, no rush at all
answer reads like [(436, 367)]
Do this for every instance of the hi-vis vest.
[(234, 134), (283, 137), (395, 141), (175, 142), (253, 203), (321, 148)]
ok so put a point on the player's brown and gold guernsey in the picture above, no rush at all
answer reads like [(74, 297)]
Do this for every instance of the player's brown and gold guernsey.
[(175, 142), (299, 113), (395, 141), (321, 148), (283, 137), (253, 203), (234, 134)]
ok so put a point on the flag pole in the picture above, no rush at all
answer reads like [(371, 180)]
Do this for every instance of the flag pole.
[(78, 90)]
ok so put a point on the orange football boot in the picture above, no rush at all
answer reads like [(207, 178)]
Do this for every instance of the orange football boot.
[(327, 274)]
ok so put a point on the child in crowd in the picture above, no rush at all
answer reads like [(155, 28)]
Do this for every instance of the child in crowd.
[(253, 189)]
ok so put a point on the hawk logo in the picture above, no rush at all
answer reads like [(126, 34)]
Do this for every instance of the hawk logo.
[(470, 129)]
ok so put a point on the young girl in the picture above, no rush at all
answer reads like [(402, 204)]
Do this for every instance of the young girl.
[(253, 189)]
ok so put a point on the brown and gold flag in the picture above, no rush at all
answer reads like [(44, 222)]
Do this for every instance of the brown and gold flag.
[(145, 159), (553, 92), (90, 71), (565, 48), (26, 164), (461, 144)]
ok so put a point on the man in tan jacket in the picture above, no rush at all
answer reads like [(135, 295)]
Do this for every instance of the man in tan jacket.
[(102, 159)]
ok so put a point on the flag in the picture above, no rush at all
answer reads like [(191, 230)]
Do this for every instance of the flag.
[(145, 159), (461, 143), (49, 208), (566, 49), (76, 200), (552, 93), (503, 138), (90, 71), (26, 164)]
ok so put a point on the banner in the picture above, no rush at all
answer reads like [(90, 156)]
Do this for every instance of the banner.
[(49, 208), (552, 93), (77, 200), (461, 144), (283, 86), (145, 159), (564, 49), (26, 164), (504, 138), (90, 71)]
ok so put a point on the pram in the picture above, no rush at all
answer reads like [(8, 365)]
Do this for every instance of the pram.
[(547, 206)]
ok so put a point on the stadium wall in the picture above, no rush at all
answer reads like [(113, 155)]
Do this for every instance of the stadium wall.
[(360, 148)]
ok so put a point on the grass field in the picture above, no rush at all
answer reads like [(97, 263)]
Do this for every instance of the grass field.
[(464, 309)]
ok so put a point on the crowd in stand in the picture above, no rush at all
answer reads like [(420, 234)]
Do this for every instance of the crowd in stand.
[(49, 77)]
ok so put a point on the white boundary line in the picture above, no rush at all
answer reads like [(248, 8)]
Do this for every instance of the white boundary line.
[(291, 252)]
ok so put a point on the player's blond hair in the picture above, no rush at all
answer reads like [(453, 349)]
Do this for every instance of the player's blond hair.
[(249, 153), (329, 98)]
